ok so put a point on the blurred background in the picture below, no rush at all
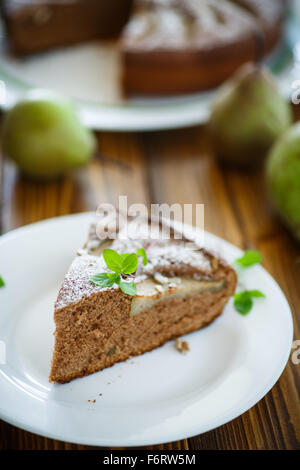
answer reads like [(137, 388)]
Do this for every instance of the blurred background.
[(165, 101)]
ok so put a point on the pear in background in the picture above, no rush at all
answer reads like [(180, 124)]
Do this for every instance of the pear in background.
[(44, 137), (248, 115), (283, 178)]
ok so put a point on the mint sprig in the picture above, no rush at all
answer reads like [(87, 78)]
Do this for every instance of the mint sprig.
[(243, 301), (2, 283), (123, 267), (249, 258)]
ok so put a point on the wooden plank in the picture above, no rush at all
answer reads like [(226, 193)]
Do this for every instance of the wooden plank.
[(182, 170)]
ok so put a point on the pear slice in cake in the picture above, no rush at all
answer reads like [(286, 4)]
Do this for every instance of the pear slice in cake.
[(180, 290)]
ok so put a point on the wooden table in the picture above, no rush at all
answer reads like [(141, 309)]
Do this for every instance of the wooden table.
[(177, 166)]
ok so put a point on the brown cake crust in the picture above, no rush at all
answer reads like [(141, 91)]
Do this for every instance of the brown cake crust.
[(95, 327), (87, 341), (206, 51)]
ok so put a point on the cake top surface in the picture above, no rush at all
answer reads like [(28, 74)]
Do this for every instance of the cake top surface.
[(173, 24), (171, 257)]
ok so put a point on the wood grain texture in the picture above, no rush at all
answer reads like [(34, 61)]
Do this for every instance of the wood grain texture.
[(176, 166)]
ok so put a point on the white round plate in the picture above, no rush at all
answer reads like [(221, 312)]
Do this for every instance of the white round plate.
[(90, 75), (158, 397)]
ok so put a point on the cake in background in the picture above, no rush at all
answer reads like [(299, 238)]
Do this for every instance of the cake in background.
[(173, 47), (166, 46)]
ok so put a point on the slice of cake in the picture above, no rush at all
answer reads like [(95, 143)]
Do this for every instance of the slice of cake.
[(182, 288)]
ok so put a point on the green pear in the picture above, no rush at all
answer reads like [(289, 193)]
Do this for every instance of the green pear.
[(248, 115), (283, 178), (44, 137)]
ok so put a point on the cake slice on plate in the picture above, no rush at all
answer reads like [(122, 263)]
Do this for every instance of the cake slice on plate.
[(182, 288)]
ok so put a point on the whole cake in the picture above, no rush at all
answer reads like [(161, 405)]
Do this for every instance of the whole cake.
[(172, 46), (166, 46), (182, 288)]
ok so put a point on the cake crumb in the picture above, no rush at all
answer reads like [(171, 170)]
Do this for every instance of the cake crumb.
[(182, 346)]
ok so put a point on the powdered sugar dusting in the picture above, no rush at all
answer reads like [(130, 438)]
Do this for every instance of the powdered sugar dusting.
[(176, 253), (76, 284)]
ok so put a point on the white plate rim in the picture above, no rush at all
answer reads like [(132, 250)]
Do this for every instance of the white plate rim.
[(176, 435)]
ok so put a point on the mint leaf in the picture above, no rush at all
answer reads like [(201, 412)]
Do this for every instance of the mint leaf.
[(103, 279), (257, 294), (113, 276), (113, 260), (141, 252), (2, 283), (243, 302), (130, 263), (128, 287), (249, 258), (124, 256)]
